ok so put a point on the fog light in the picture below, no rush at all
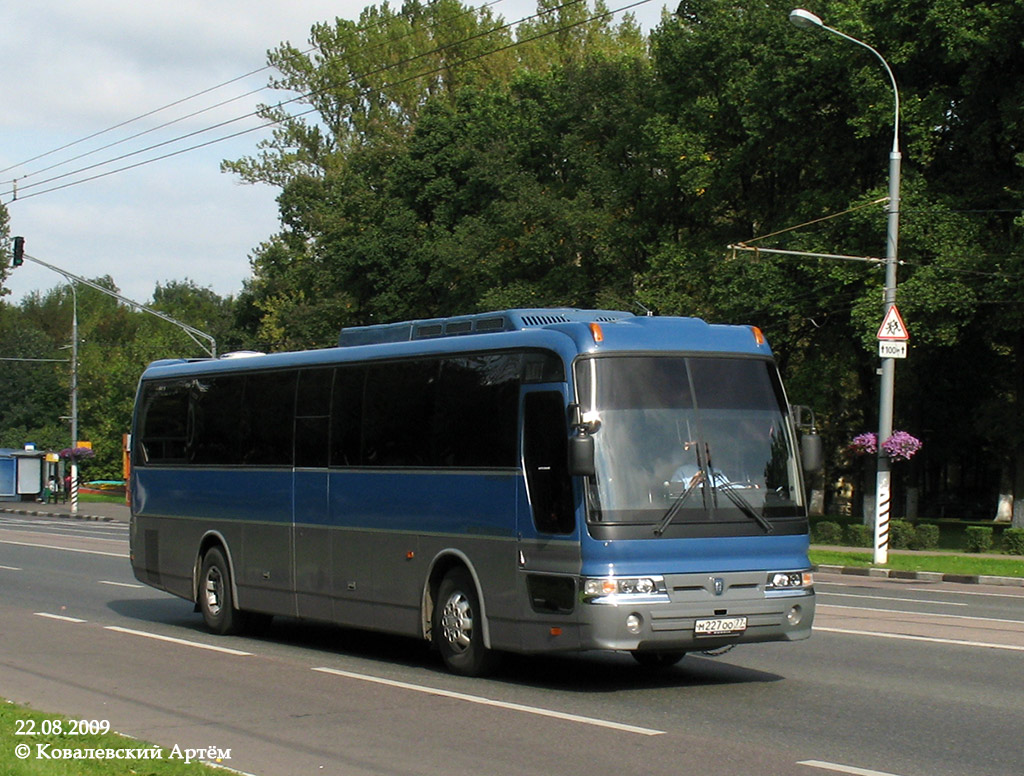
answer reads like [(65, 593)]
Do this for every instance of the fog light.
[(634, 623), (795, 615)]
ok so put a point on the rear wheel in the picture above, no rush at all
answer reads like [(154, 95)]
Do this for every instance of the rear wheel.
[(215, 599), (458, 626)]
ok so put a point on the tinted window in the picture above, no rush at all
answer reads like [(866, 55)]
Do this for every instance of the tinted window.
[(546, 454), (216, 420), (397, 413), (163, 423), (346, 416), (735, 383), (269, 410), (476, 411), (312, 417)]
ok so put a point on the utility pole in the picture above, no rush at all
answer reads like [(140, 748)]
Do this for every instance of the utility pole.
[(807, 20)]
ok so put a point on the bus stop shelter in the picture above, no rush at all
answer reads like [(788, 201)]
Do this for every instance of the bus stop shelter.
[(22, 474)]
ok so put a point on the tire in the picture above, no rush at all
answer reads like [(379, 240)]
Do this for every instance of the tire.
[(657, 659), (458, 626), (214, 594)]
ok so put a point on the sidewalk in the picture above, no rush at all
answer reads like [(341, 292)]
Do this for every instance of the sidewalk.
[(101, 511)]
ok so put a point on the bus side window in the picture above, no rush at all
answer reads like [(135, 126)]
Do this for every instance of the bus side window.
[(313, 418), (545, 455)]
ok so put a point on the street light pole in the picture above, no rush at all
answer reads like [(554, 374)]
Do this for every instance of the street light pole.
[(807, 20), (74, 396)]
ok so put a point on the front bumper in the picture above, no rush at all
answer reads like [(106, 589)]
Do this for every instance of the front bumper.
[(670, 625)]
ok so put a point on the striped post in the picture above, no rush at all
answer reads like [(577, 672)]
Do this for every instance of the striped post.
[(74, 486)]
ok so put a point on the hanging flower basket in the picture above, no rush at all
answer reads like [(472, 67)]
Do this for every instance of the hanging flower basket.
[(865, 444), (901, 446), (76, 453)]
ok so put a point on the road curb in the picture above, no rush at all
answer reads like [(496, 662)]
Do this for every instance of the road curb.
[(921, 576), (44, 513)]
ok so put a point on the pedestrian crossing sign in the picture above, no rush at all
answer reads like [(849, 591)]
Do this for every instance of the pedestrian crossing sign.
[(893, 328)]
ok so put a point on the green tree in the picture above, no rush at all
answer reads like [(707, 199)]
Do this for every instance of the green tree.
[(574, 168), (5, 247)]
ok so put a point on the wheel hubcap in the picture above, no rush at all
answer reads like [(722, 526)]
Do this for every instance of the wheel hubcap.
[(457, 622), (213, 591)]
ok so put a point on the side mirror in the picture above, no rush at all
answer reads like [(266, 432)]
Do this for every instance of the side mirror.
[(581, 455), (811, 451)]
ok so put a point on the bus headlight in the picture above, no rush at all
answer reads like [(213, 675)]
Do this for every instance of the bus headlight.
[(789, 581), (615, 589)]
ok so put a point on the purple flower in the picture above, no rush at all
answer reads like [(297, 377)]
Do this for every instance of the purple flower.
[(901, 446), (77, 453), (865, 444)]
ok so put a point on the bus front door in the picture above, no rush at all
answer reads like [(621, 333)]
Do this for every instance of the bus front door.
[(548, 532)]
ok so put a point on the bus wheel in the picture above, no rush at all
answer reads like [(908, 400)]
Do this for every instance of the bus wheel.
[(215, 599), (457, 626), (657, 659)]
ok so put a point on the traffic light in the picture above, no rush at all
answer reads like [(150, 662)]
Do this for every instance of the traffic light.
[(19, 252)]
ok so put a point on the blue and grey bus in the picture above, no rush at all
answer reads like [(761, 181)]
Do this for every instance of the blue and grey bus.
[(521, 481)]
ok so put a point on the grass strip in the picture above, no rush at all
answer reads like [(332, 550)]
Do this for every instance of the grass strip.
[(34, 743), (964, 565)]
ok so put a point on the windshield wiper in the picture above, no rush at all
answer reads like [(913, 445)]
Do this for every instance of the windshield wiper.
[(745, 506), (673, 510)]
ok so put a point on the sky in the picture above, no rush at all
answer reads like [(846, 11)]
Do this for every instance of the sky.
[(71, 71)]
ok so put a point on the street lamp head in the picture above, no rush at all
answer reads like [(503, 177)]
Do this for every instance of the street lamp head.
[(805, 19)]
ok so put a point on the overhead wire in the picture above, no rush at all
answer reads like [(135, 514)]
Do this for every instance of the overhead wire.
[(181, 101), (19, 194)]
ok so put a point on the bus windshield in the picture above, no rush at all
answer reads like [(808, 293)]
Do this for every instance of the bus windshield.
[(689, 440)]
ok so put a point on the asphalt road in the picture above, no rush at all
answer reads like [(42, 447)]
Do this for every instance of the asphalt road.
[(901, 677)]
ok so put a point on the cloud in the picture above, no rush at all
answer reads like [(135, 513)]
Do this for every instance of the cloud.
[(77, 67)]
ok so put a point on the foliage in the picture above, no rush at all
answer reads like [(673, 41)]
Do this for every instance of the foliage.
[(901, 535), (859, 535), (926, 537), (1013, 541), (827, 532), (979, 539), (5, 246)]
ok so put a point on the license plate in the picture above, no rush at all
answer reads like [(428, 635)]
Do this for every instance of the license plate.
[(720, 626)]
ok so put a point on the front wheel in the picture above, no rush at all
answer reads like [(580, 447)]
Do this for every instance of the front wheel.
[(215, 599), (458, 626)]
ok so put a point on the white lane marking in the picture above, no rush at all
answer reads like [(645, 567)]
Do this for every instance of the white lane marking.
[(930, 590), (921, 614), (887, 598), (851, 769), (536, 710), (66, 549), (931, 639), (60, 617), (182, 642), (965, 592), (120, 584), (10, 568)]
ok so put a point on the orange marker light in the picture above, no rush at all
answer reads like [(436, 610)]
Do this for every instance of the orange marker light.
[(595, 331), (556, 631), (758, 335)]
